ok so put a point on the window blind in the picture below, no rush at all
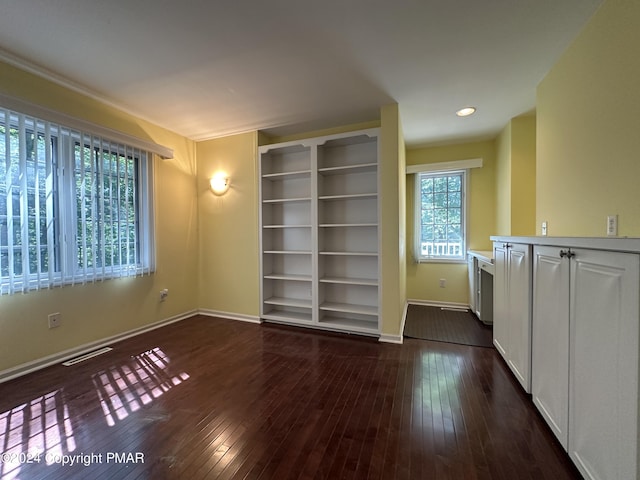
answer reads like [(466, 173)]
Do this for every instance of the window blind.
[(74, 207)]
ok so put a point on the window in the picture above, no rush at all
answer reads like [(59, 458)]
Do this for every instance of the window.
[(73, 207), (440, 215)]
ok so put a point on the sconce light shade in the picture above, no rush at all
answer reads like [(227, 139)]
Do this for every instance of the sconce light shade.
[(219, 183)]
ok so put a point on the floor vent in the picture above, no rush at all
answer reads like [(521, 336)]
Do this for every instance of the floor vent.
[(86, 356), (454, 309)]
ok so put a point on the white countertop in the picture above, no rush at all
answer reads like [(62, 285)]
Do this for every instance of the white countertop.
[(616, 244), (486, 255)]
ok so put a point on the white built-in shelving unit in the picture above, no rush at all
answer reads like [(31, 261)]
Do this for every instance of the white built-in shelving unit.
[(320, 232)]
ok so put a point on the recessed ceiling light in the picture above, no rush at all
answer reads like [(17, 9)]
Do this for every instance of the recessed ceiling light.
[(466, 111)]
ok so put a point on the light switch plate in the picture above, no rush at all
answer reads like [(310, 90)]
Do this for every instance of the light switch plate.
[(544, 228)]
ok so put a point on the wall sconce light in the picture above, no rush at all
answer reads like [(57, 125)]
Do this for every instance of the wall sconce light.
[(219, 183)]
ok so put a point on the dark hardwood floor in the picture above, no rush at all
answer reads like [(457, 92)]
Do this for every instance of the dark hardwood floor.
[(447, 325), (221, 399)]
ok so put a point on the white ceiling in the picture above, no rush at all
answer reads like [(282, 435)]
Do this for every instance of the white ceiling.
[(206, 69)]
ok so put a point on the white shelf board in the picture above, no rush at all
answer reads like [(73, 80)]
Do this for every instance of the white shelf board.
[(289, 252), (286, 200), (285, 316), (337, 225), (350, 281), (345, 169), (349, 308), (288, 302), (351, 324), (288, 276), (287, 175), (347, 196), (286, 226), (352, 254)]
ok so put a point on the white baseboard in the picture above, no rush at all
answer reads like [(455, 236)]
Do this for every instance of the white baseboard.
[(59, 357), (49, 360), (230, 315), (398, 339), (434, 303)]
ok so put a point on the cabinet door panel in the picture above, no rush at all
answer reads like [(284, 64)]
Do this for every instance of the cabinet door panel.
[(471, 271), (519, 323), (603, 378), (500, 300), (550, 339)]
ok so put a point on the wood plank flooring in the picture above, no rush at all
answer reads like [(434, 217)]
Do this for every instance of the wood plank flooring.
[(209, 398), (445, 325)]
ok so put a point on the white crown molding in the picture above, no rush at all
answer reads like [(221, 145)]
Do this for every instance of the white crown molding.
[(45, 73), (51, 76)]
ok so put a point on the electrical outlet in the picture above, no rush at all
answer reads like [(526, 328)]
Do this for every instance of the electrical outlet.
[(612, 225), (54, 320), (164, 293), (443, 282), (545, 225)]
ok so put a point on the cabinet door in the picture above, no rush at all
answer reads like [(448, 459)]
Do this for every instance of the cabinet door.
[(519, 313), (471, 268), (603, 375), (500, 299), (550, 339)]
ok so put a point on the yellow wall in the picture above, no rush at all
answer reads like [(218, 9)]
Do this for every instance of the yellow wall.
[(523, 175), (207, 247), (96, 311), (393, 230), (516, 177), (588, 128), (503, 182), (423, 279), (228, 227), (402, 215)]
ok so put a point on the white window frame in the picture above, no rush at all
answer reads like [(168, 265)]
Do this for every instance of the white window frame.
[(441, 167), (419, 254), (62, 225)]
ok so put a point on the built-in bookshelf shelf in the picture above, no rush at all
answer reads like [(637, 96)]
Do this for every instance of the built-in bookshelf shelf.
[(288, 200), (350, 281), (320, 235), (288, 252), (347, 169), (286, 226), (287, 175), (343, 225), (288, 276), (349, 308), (290, 302), (288, 316), (347, 196), (354, 254)]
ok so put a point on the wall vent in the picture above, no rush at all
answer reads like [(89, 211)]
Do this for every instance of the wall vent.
[(86, 356)]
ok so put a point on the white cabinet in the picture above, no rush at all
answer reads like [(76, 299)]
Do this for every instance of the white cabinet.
[(512, 308), (320, 232), (585, 355), (472, 270), (480, 270), (550, 339)]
